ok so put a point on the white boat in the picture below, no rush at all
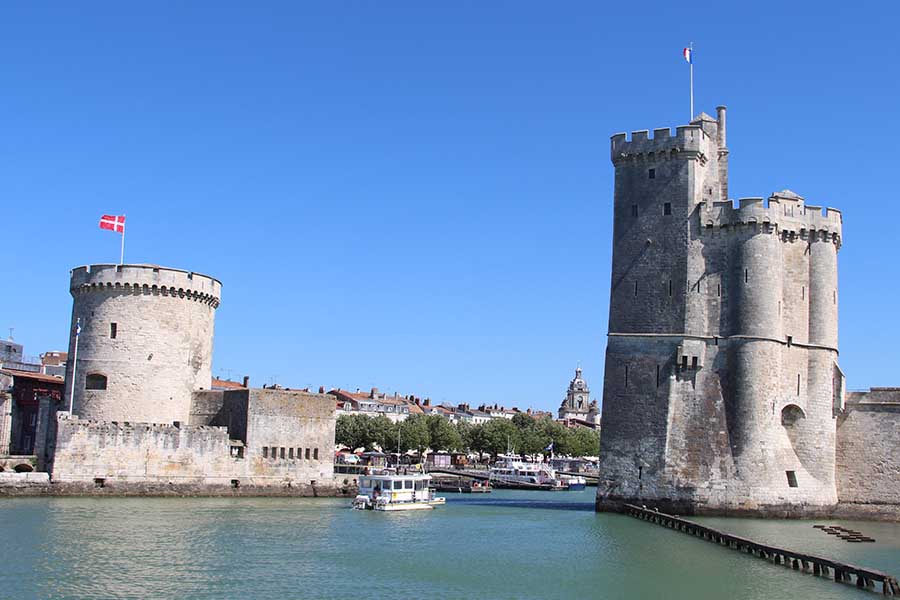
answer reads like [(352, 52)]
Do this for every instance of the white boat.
[(524, 475), (573, 482), (392, 491)]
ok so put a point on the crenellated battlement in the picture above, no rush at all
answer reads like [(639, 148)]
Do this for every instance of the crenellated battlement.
[(784, 213), (146, 279), (689, 141)]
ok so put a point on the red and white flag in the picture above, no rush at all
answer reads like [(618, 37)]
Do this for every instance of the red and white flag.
[(113, 223)]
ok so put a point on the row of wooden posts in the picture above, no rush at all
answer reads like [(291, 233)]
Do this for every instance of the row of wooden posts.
[(841, 572)]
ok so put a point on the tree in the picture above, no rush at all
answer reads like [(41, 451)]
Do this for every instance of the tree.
[(584, 442), (381, 430), (353, 431), (500, 435), (442, 434), (413, 434)]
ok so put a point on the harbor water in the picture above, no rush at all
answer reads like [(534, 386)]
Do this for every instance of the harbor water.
[(507, 544)]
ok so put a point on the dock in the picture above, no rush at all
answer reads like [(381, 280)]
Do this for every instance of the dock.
[(807, 563)]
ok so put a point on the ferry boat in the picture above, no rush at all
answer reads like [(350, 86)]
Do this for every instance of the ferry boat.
[(525, 476), (392, 491)]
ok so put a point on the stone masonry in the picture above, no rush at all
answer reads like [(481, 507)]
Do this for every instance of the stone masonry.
[(146, 341), (722, 389)]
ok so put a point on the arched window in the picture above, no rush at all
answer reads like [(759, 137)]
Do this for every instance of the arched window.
[(791, 414), (95, 381)]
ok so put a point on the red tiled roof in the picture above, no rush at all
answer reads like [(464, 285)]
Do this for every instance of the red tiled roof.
[(33, 376), (224, 383)]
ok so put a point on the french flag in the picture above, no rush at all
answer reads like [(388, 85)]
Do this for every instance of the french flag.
[(687, 56)]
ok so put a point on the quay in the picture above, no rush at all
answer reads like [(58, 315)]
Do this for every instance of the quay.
[(808, 563)]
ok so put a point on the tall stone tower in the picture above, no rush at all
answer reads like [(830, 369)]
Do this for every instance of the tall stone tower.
[(145, 343), (721, 384)]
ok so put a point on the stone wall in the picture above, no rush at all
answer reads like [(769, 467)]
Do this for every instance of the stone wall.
[(288, 441), (868, 448)]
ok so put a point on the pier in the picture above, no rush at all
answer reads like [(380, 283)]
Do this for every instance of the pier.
[(807, 563)]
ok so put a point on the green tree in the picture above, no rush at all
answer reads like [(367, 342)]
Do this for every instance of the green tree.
[(413, 434), (584, 442), (353, 431), (381, 430), (442, 434), (500, 434)]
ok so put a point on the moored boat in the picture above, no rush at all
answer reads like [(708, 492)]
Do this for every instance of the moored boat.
[(393, 491), (520, 475)]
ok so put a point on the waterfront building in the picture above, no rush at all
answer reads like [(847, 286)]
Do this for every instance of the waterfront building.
[(722, 390), (28, 405)]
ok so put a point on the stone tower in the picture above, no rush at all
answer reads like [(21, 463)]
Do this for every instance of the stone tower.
[(145, 343), (721, 384)]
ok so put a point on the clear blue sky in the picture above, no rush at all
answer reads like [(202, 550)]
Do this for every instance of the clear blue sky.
[(418, 197)]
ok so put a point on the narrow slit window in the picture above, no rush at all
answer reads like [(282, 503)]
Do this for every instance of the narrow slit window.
[(290, 453), (315, 454), (798, 384), (113, 330), (635, 289), (718, 290), (657, 375), (299, 453), (693, 362), (651, 174), (667, 208), (626, 376), (634, 210), (282, 453), (670, 288), (834, 296), (684, 362), (792, 478), (307, 454), (746, 275), (803, 292), (790, 340), (265, 452)]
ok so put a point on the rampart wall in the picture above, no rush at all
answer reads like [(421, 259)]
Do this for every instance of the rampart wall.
[(868, 448)]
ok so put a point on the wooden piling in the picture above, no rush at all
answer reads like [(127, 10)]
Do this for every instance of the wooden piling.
[(798, 561)]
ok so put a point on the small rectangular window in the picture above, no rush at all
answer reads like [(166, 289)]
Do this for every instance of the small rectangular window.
[(635, 288), (684, 362), (274, 452), (307, 454), (667, 208), (652, 174), (113, 330), (265, 452), (282, 453), (670, 287), (798, 384), (693, 362), (290, 453), (803, 292), (792, 478), (316, 454), (746, 275), (790, 340), (634, 210), (718, 290), (657, 375), (299, 453)]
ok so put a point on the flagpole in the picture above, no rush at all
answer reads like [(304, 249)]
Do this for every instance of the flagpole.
[(122, 255), (692, 82), (74, 363)]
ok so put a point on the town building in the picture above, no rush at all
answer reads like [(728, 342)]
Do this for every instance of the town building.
[(28, 405), (577, 405)]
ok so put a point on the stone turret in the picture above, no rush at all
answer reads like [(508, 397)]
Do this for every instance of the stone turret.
[(721, 378), (145, 344)]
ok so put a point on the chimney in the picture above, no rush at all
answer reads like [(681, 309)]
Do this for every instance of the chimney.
[(373, 393), (427, 401), (723, 153), (321, 389), (246, 381)]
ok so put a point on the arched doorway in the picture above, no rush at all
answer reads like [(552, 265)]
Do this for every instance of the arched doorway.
[(23, 468)]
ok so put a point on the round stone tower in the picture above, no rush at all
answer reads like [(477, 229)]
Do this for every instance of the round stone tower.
[(145, 342)]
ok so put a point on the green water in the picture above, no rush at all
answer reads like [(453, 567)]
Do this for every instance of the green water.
[(504, 545)]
